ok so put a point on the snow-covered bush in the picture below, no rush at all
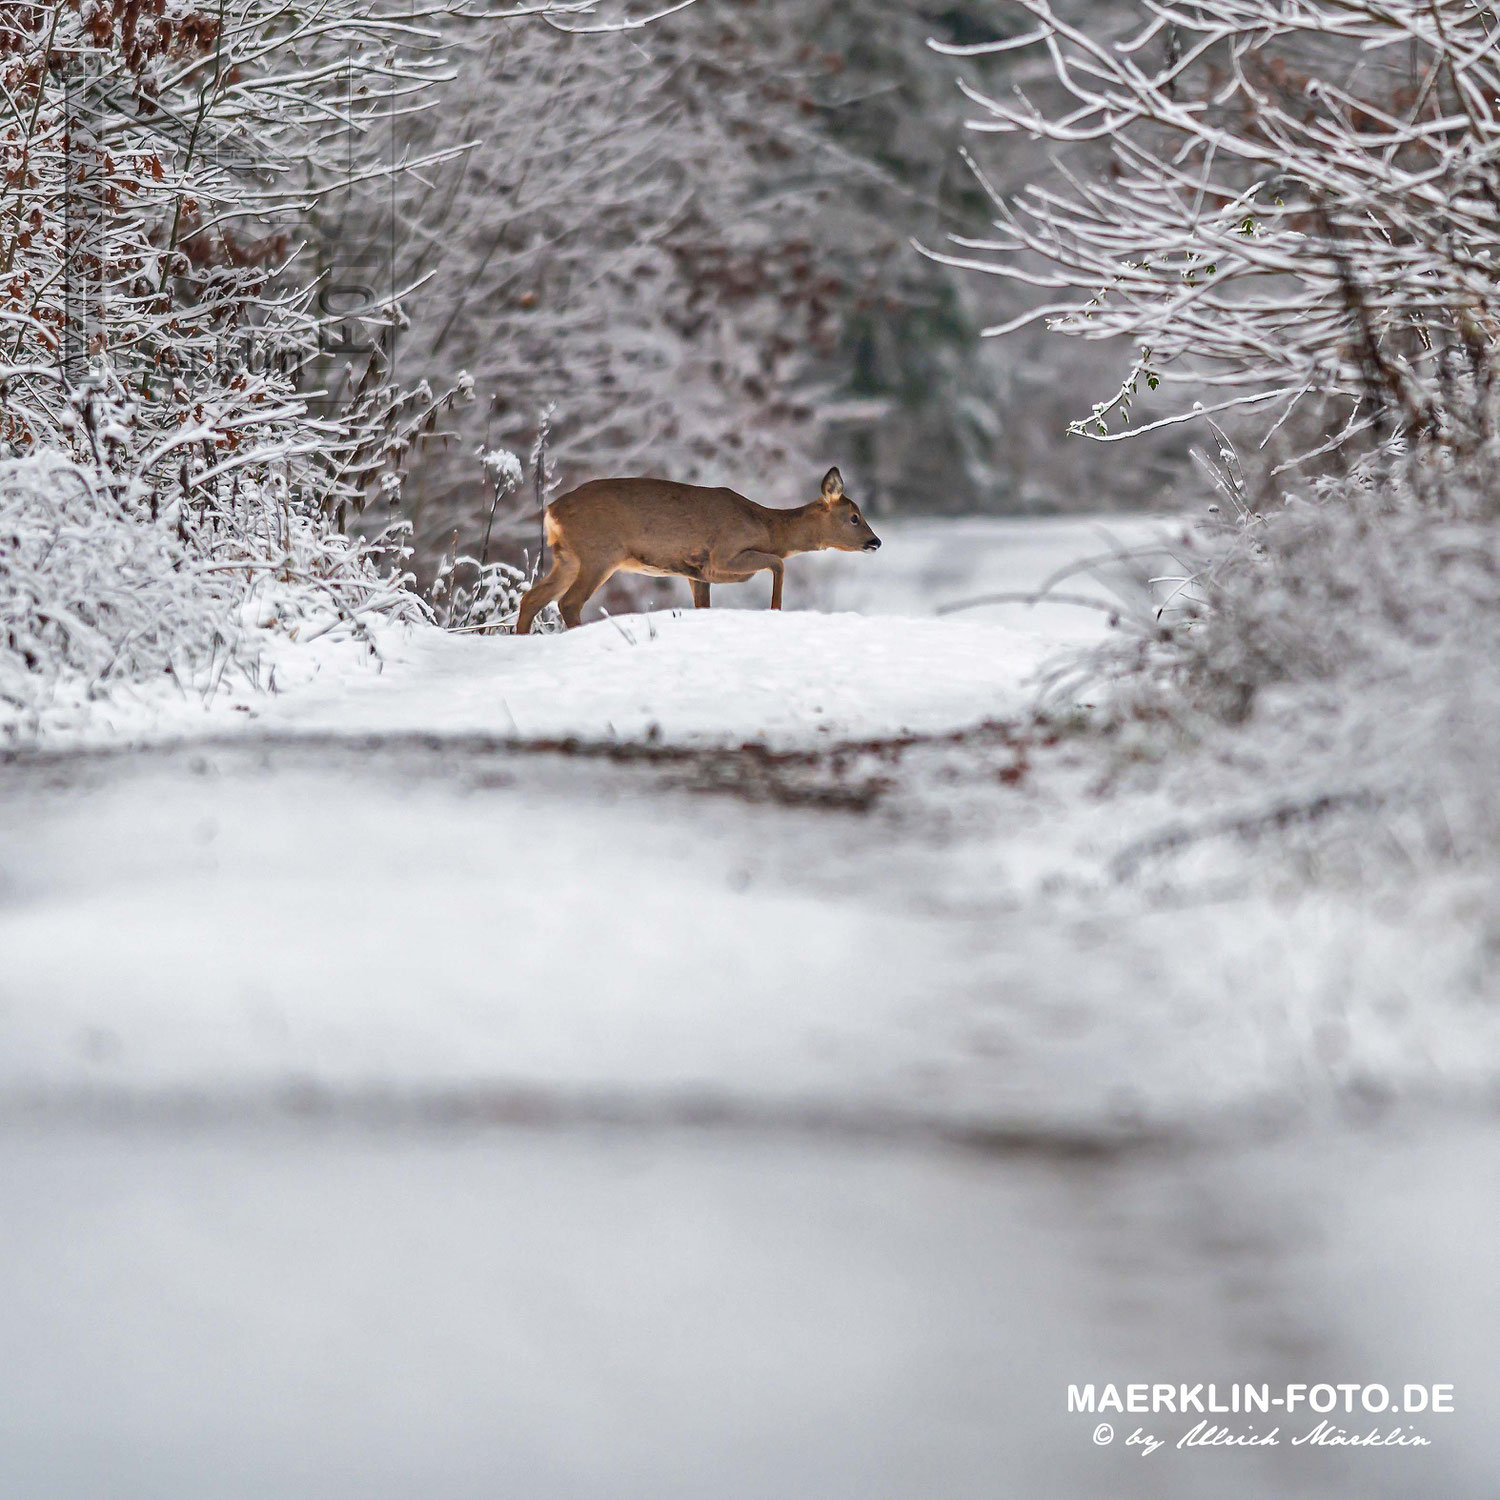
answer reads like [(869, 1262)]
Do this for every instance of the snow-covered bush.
[(470, 595), (160, 159), (1292, 208), (1273, 203), (1331, 657), (91, 591), (102, 585)]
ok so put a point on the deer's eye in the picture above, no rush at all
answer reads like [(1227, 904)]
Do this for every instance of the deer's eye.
[(854, 519)]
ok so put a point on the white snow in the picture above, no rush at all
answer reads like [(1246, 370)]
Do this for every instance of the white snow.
[(694, 678), (269, 983), (865, 659), (932, 565), (591, 1314), (230, 924), (398, 905)]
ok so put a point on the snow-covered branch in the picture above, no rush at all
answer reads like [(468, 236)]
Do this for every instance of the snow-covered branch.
[(1292, 197)]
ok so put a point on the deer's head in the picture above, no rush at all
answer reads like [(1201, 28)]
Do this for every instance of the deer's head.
[(842, 525)]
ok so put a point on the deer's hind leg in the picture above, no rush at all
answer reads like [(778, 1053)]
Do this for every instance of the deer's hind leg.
[(557, 581), (700, 593), (590, 578)]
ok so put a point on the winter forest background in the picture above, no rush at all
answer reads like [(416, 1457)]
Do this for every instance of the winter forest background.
[(310, 308), (729, 286), (689, 246)]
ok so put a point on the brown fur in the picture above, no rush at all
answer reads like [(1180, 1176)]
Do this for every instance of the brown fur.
[(707, 536)]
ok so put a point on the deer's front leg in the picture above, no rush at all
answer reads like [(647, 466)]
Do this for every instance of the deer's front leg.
[(743, 564)]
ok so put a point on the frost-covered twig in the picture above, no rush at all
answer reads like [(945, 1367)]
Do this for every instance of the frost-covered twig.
[(1299, 198)]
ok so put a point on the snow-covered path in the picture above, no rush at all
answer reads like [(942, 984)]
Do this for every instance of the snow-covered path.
[(601, 1048), (449, 920), (865, 658), (866, 661), (719, 677)]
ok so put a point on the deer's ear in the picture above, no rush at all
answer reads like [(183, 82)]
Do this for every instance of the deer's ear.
[(833, 484)]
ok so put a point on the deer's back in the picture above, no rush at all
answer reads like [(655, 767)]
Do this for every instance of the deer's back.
[(656, 523)]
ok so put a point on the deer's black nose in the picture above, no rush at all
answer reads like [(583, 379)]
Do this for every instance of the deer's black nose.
[(873, 545)]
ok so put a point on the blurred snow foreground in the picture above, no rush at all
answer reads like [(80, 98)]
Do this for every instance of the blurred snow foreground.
[(700, 1044)]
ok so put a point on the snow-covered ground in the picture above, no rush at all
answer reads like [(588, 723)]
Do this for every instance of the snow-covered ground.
[(451, 921), (693, 678), (390, 1090), (863, 659), (194, 1308), (859, 654)]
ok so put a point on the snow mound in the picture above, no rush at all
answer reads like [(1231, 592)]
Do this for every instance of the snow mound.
[(699, 677)]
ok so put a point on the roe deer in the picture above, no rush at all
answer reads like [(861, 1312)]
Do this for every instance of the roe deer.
[(708, 536)]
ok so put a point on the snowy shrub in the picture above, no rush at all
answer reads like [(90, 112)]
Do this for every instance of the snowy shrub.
[(101, 587), (473, 593), (93, 591), (161, 327), (1293, 209), (163, 258), (1332, 658), (470, 595), (1273, 204)]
